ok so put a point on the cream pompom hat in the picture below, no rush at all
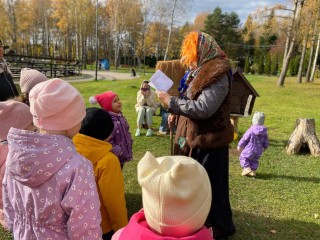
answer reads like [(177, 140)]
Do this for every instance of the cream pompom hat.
[(176, 194)]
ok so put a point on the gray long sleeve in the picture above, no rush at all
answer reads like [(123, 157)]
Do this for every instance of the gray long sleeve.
[(207, 103)]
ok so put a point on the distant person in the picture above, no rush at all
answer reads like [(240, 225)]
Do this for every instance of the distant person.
[(176, 198), (7, 87), (253, 143), (92, 143), (12, 114), (28, 79), (146, 107), (120, 138), (49, 190), (133, 73)]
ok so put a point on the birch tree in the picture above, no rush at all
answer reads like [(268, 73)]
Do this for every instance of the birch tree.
[(291, 39), (124, 16), (309, 15)]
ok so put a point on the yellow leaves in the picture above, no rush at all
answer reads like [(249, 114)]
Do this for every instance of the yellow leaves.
[(199, 20)]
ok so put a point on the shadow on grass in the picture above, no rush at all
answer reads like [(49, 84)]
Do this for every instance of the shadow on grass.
[(250, 226), (278, 143), (267, 176)]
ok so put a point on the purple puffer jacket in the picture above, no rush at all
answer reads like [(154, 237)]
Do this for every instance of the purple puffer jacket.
[(3, 157), (49, 191), (121, 139), (254, 141)]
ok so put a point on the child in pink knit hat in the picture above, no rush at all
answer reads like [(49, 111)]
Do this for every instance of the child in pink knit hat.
[(28, 79), (12, 114), (120, 138), (49, 190)]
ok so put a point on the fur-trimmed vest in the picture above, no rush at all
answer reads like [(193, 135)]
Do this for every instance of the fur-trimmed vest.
[(215, 131)]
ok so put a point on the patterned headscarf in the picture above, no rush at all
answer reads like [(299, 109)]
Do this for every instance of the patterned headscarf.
[(207, 49)]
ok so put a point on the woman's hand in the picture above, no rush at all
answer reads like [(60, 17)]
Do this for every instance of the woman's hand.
[(145, 94), (239, 149), (171, 119), (163, 97)]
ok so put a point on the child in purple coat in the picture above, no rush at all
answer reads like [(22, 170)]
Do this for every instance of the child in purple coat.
[(252, 145), (120, 138)]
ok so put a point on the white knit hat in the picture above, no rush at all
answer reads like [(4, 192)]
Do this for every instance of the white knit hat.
[(258, 118), (176, 194), (29, 78)]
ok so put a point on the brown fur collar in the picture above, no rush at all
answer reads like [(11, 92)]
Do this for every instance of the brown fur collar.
[(208, 74)]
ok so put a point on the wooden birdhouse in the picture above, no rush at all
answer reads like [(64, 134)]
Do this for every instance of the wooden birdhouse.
[(243, 96)]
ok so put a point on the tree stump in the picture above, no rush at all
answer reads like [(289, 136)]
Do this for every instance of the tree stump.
[(304, 133)]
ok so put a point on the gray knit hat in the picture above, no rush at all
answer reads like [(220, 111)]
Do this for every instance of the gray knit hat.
[(258, 118), (29, 78)]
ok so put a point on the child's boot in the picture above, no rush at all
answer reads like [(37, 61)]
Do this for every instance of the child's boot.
[(149, 133), (246, 171), (137, 132)]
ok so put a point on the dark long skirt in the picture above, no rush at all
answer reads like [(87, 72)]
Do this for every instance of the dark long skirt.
[(216, 163), (7, 87)]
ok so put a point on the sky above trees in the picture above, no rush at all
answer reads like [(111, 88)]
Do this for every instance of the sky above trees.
[(242, 7)]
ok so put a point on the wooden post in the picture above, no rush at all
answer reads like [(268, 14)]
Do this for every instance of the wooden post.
[(234, 121), (304, 133)]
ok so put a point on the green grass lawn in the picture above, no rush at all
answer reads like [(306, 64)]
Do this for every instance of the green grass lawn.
[(283, 201)]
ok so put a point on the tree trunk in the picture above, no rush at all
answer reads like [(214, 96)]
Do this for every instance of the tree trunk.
[(291, 38), (170, 31), (314, 33), (303, 54), (304, 133), (313, 70), (285, 65)]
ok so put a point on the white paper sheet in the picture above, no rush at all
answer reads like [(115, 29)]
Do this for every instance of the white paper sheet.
[(160, 81)]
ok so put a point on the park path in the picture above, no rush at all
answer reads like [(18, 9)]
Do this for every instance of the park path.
[(106, 75), (89, 75)]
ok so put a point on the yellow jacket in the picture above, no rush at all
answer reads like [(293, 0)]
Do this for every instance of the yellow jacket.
[(109, 180)]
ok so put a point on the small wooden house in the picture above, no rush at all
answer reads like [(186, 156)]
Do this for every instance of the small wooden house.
[(243, 96)]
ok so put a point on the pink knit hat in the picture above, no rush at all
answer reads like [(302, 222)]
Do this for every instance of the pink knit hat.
[(13, 114), (176, 194), (29, 78), (56, 105), (104, 100)]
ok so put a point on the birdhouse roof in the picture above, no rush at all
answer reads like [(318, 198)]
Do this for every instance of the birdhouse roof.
[(238, 74)]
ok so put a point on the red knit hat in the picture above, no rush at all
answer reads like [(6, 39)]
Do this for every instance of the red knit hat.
[(104, 100)]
